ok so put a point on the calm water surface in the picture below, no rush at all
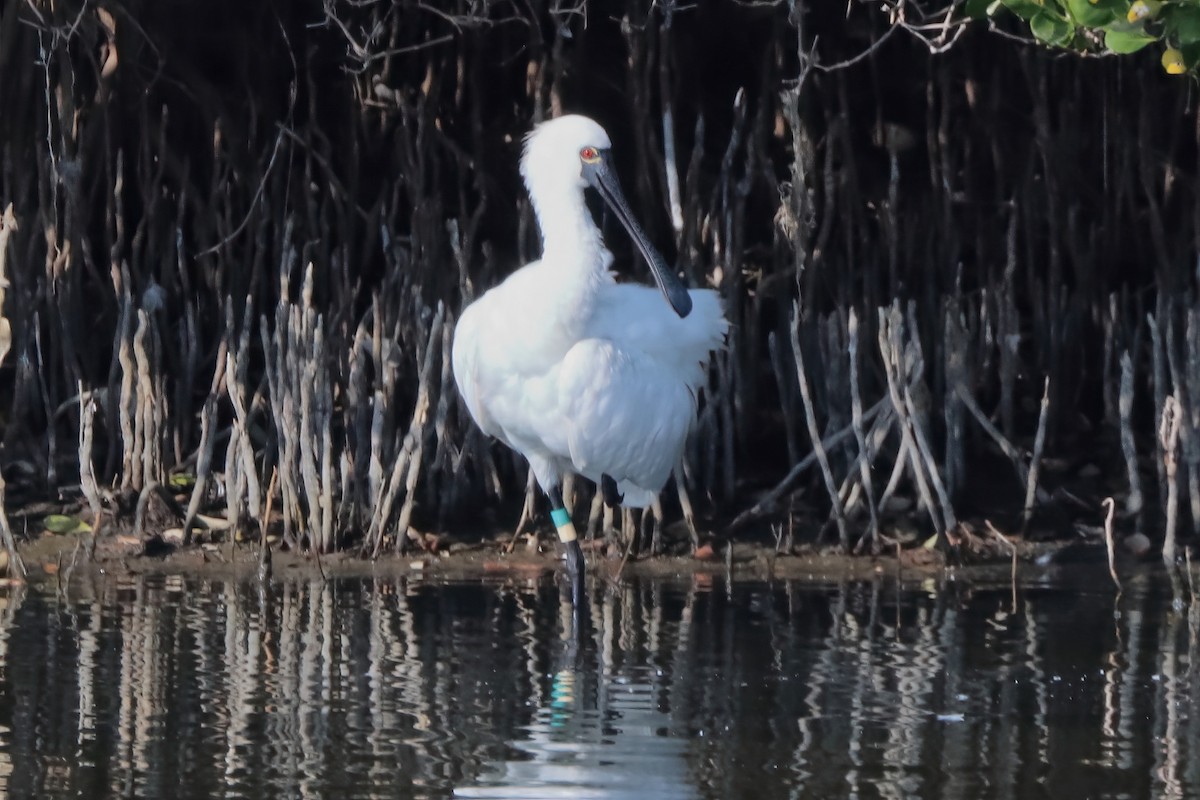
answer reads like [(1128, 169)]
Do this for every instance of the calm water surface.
[(170, 687)]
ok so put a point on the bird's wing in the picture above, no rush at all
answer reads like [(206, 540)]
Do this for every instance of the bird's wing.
[(465, 359), (624, 414), (637, 318)]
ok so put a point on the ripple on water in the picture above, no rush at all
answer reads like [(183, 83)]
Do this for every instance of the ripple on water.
[(384, 688)]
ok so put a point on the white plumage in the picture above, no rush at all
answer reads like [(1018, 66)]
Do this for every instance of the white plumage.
[(569, 368)]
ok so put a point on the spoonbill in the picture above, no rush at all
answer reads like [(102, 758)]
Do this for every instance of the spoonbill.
[(571, 369)]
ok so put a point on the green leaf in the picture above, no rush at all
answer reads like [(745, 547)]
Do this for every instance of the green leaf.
[(1025, 9), (1127, 41), (181, 480), (980, 9), (1182, 24), (1093, 15), (61, 523), (1050, 29)]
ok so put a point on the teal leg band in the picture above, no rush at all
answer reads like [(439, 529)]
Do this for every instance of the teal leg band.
[(562, 521)]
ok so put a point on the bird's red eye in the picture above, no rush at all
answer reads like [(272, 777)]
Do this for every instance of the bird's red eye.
[(589, 154)]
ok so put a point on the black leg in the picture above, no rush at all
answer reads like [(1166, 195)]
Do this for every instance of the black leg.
[(608, 487), (574, 553)]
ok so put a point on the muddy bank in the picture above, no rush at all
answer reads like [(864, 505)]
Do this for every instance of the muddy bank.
[(61, 559)]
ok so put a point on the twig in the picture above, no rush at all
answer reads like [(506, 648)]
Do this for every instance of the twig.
[(16, 566), (1110, 545), (1035, 462), (768, 500), (1133, 502), (810, 416), (1012, 549), (1168, 434)]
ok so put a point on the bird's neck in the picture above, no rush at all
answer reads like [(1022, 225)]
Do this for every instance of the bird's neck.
[(570, 238)]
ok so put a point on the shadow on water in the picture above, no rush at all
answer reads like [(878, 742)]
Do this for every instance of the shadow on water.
[(170, 687)]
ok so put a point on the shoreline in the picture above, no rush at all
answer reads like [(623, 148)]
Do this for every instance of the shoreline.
[(62, 558)]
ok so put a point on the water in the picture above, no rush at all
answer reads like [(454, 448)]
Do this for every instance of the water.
[(171, 687)]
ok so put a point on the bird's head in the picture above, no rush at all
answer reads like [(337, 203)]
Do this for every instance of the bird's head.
[(565, 155), (558, 152)]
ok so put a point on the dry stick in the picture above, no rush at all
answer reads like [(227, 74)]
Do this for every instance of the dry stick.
[(51, 433), (1012, 549), (125, 401), (931, 469), (849, 492), (411, 447), (852, 485), (235, 481), (1168, 433), (358, 422), (898, 466), (1005, 445), (595, 516), (832, 341), (306, 340), (1178, 363), (1035, 462), (15, 565), (1008, 326), (149, 437), (528, 508), (955, 343), (385, 500), (403, 530), (240, 443), (87, 469), (203, 467), (268, 501), (1161, 389), (1189, 434), (442, 436), (655, 513), (810, 417), (282, 414), (1110, 506), (439, 334), (569, 492), (8, 224), (152, 488), (891, 349), (1133, 503), (786, 406), (685, 505), (610, 531), (328, 485), (668, 119), (629, 530), (205, 450), (380, 396), (768, 500)]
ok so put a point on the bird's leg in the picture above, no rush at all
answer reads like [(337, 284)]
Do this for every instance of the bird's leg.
[(608, 487), (567, 535)]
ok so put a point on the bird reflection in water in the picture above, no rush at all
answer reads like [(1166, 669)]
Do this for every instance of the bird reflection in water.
[(600, 734)]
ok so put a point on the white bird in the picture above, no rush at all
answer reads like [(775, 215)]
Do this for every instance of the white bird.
[(571, 369)]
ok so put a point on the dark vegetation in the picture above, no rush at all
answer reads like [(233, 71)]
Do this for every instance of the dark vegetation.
[(238, 236)]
